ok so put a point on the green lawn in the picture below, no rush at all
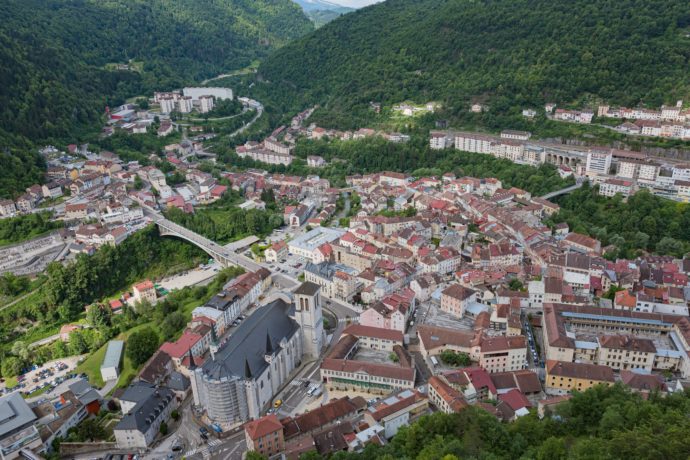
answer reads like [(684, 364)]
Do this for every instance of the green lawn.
[(35, 393), (91, 366)]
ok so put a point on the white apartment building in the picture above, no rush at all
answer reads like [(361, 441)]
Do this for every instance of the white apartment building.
[(167, 104), (474, 143), (598, 162), (515, 135), (206, 104), (628, 169), (185, 104), (648, 172), (612, 186), (681, 172), (440, 140)]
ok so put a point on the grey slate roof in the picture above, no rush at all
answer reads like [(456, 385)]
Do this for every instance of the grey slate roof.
[(138, 392), (307, 288), (245, 349), (14, 413), (84, 392), (178, 382), (146, 410), (113, 354)]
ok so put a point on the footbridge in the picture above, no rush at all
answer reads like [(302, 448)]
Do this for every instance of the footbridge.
[(224, 256), (563, 191)]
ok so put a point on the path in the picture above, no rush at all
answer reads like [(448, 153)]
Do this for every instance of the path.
[(19, 299), (234, 73)]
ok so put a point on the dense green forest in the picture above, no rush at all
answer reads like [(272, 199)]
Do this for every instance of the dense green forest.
[(510, 54), (59, 60), (603, 423), (376, 154), (642, 223), (21, 228)]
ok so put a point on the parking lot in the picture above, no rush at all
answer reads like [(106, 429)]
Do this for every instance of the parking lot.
[(47, 377), (433, 316)]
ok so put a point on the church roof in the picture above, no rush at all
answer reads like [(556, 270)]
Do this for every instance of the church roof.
[(243, 354)]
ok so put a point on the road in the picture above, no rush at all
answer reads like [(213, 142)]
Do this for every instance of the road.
[(259, 111)]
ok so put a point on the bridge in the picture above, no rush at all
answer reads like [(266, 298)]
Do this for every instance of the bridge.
[(563, 191), (223, 255)]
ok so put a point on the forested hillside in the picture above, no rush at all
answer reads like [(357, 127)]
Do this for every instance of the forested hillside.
[(509, 53), (59, 59)]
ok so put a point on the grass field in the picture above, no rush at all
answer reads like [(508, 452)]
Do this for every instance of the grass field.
[(91, 366), (35, 393)]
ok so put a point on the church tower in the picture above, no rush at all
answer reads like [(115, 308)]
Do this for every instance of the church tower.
[(309, 316)]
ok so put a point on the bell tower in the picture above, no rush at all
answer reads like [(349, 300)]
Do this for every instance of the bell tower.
[(309, 316)]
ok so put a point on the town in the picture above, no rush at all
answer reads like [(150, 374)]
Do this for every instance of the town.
[(369, 306)]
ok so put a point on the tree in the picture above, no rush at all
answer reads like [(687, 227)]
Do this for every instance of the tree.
[(77, 343), (453, 358), (98, 316), (163, 428), (141, 345), (173, 323), (515, 285), (11, 366), (21, 350), (175, 415)]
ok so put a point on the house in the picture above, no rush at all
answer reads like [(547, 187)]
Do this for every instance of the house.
[(276, 252), (446, 398), (563, 377), (374, 337), (397, 410), (7, 208), (265, 436), (139, 426), (144, 292), (315, 161), (455, 299)]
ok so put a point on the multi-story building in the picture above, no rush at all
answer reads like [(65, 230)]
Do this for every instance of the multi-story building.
[(375, 338), (144, 292), (611, 187), (440, 140), (446, 398), (648, 173), (625, 352), (397, 410), (277, 251), (17, 427), (455, 299), (206, 103), (563, 377), (185, 104), (337, 281), (8, 208), (140, 425), (598, 162), (265, 436), (168, 104), (593, 323), (473, 142)]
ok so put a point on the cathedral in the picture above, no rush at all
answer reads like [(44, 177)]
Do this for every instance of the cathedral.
[(242, 376)]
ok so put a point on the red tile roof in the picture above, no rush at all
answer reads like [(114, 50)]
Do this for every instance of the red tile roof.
[(261, 427)]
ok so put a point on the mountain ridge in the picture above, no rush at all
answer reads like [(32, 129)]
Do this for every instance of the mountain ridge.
[(507, 52)]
